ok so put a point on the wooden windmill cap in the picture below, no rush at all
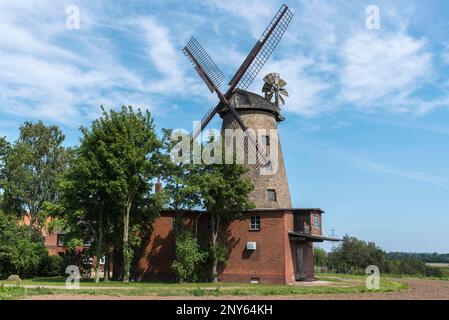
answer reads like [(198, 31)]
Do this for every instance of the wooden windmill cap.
[(245, 100)]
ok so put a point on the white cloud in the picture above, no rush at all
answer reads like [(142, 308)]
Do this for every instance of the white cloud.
[(376, 66), (256, 13), (445, 55), (49, 72), (326, 57), (165, 58), (306, 90)]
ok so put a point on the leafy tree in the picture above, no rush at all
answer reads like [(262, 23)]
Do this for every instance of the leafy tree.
[(119, 159), (355, 255), (223, 192), (4, 145), (319, 257), (51, 266), (31, 169), (177, 176), (189, 256), (20, 252)]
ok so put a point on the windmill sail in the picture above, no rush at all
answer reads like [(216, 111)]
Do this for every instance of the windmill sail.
[(262, 50), (204, 65), (213, 77)]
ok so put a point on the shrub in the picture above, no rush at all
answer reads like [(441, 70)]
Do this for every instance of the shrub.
[(21, 251), (434, 272), (354, 255), (188, 258), (79, 258), (51, 266)]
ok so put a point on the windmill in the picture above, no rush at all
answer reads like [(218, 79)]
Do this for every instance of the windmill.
[(274, 86), (235, 104)]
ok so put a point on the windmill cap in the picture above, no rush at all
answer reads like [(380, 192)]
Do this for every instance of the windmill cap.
[(245, 100)]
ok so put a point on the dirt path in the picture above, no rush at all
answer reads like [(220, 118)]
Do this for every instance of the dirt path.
[(419, 289)]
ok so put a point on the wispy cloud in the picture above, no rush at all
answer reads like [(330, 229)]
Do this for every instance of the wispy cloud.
[(376, 67), (367, 164), (328, 58)]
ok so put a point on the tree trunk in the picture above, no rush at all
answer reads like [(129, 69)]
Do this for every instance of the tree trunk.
[(99, 246), (126, 255), (106, 264)]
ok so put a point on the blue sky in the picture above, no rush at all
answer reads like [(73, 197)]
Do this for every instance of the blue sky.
[(366, 136)]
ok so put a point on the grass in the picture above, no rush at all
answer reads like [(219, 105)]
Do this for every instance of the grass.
[(337, 284)]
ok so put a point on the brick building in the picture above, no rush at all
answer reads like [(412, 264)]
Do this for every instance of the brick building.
[(267, 246), (273, 243)]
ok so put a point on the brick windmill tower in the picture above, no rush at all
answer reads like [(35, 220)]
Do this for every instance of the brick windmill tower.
[(255, 116)]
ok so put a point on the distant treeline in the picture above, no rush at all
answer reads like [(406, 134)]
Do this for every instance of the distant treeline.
[(354, 256), (425, 257)]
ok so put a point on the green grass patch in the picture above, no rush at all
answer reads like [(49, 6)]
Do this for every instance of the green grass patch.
[(337, 284)]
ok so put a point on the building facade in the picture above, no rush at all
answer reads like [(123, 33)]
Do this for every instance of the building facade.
[(273, 246)]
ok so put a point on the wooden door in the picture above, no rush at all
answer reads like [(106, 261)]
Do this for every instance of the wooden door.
[(300, 273)]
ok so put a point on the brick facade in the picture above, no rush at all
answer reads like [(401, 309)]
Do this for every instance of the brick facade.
[(273, 262)]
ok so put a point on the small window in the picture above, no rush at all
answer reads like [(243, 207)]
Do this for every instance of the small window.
[(316, 223), (254, 224), (61, 240), (266, 140), (271, 195), (269, 166)]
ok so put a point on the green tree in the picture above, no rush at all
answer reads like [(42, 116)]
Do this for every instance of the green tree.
[(20, 252), (355, 255), (32, 167), (319, 257), (177, 175), (123, 150), (4, 145), (223, 192)]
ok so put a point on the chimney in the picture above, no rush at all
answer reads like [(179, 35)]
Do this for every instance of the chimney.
[(158, 186)]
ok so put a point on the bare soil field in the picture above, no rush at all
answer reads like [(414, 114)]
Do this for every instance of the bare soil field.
[(419, 289)]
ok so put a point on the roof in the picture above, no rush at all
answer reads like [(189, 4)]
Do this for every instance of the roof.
[(245, 100), (296, 210), (311, 237)]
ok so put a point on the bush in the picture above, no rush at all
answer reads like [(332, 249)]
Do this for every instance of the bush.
[(188, 258), (20, 251), (319, 257), (52, 266), (353, 256), (79, 258), (434, 272)]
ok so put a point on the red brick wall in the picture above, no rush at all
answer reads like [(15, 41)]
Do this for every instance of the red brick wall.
[(267, 262), (159, 250), (51, 243)]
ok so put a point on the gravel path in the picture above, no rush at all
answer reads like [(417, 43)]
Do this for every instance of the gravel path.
[(419, 289)]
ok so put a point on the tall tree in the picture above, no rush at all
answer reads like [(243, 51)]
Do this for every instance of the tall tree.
[(127, 150), (179, 187), (4, 145), (32, 168), (86, 199), (223, 191)]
